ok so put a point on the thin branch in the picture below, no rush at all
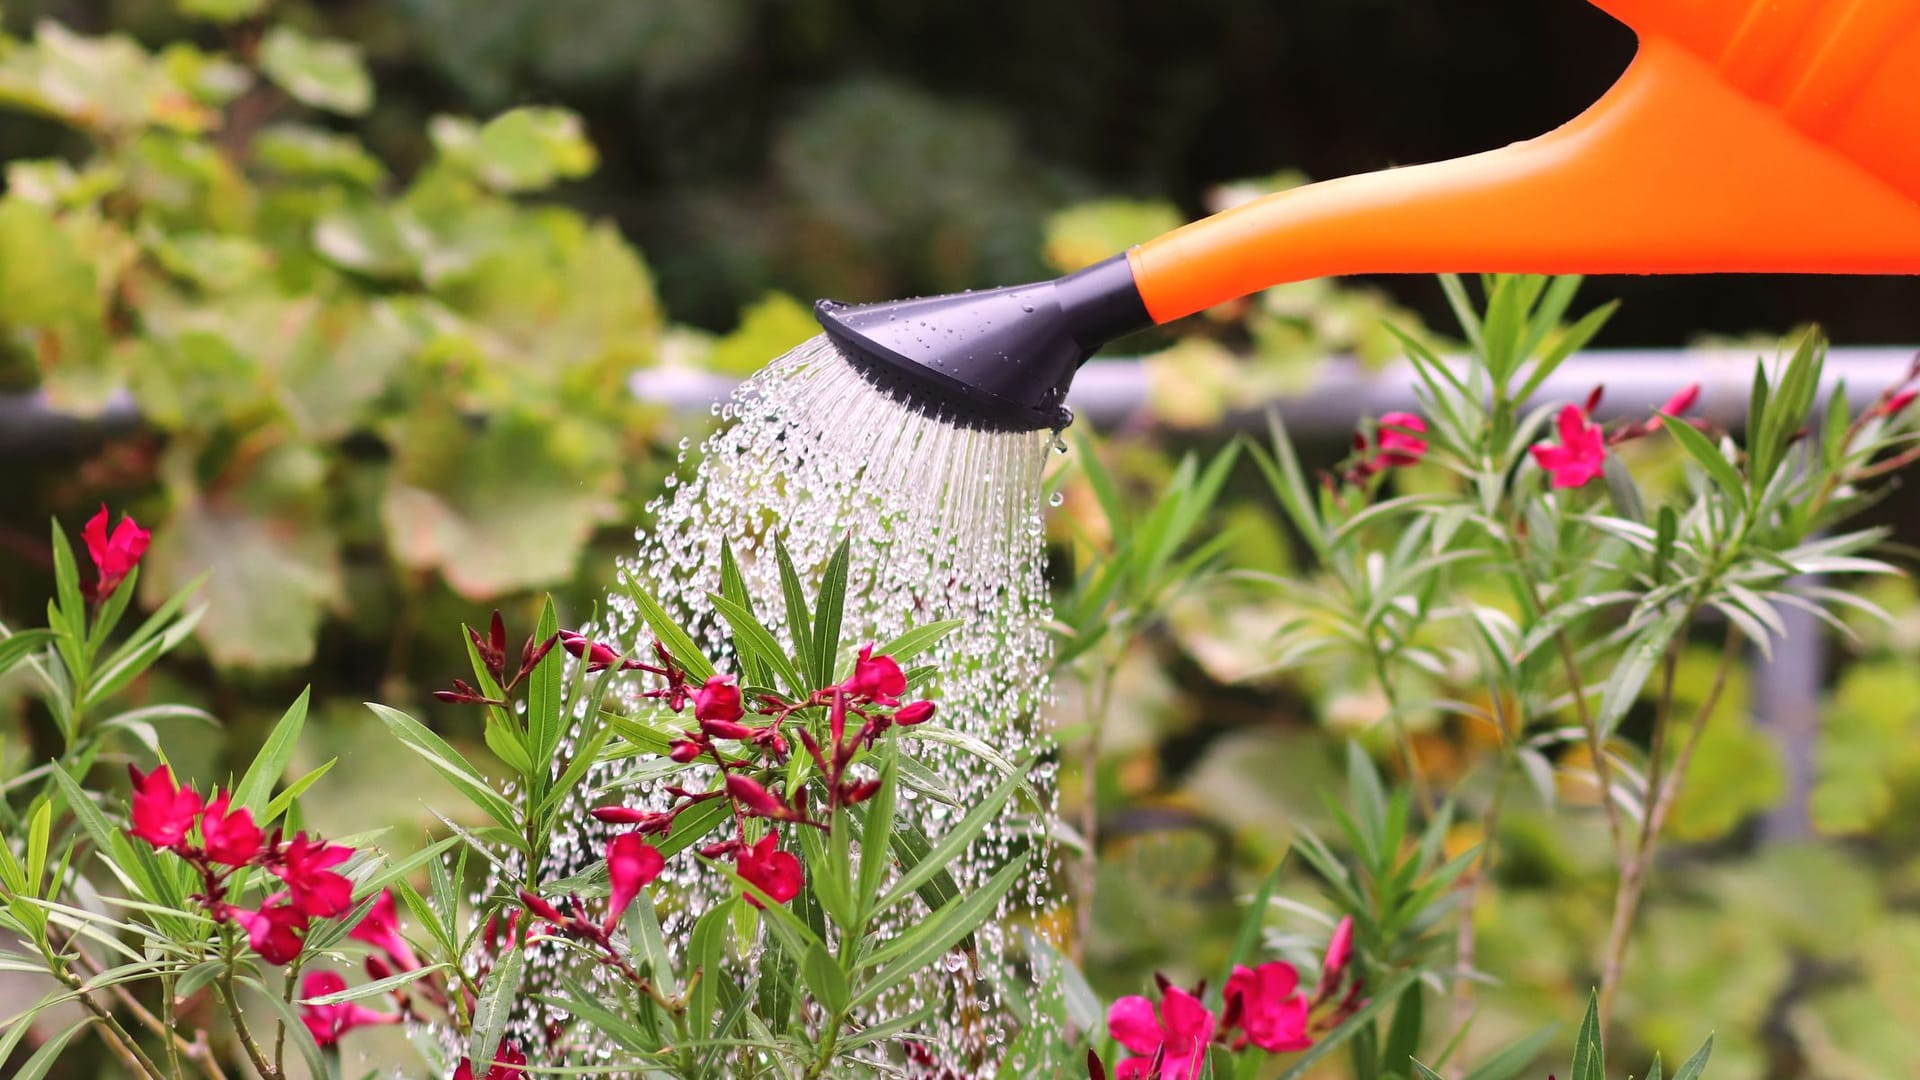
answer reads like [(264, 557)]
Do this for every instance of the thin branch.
[(258, 1057), (196, 1051), (1663, 786)]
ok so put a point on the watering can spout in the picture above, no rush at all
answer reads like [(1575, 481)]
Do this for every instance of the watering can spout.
[(1674, 171)]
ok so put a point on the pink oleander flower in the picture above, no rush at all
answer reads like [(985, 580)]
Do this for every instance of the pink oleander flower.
[(718, 701), (1178, 1037), (506, 1065), (229, 836), (1266, 1004), (1400, 441), (632, 864), (776, 873), (163, 810), (329, 1022), (317, 891), (1580, 455), (876, 677), (275, 931), (913, 712), (114, 556), (380, 928)]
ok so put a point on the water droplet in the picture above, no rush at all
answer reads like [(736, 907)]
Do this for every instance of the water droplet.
[(1056, 499)]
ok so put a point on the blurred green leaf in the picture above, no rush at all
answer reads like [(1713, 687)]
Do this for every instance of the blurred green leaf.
[(768, 327), (525, 149), (1082, 235), (508, 507), (325, 74), (223, 11), (300, 151)]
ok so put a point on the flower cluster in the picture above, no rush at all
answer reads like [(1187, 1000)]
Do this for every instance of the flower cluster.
[(632, 865), (218, 840), (492, 650), (722, 736), (1581, 453), (1400, 443), (1264, 1008)]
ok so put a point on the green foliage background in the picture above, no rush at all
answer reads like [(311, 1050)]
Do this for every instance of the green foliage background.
[(375, 276)]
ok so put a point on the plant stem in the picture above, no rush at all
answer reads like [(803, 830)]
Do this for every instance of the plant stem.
[(1466, 934), (1099, 697), (1596, 747), (255, 1055), (1662, 788), (1422, 792), (829, 1041), (280, 1023), (198, 1052), (117, 1038)]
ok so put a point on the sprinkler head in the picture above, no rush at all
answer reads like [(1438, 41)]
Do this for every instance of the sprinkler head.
[(998, 359)]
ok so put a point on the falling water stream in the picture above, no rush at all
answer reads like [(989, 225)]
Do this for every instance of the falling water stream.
[(945, 523)]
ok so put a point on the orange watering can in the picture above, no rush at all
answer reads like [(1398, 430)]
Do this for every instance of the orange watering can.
[(1778, 136)]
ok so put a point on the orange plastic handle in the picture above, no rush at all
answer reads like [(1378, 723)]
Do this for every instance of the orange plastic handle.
[(1778, 136)]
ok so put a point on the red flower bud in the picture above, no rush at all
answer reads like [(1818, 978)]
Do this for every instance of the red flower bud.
[(726, 729), (599, 656), (624, 815), (913, 712), (1680, 402), (718, 700), (854, 794), (1898, 402), (756, 800), (540, 908), (685, 750)]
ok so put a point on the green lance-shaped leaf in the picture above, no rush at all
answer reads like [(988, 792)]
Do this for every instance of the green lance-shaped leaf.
[(545, 695), (256, 784), (685, 651), (932, 937), (1589, 1056), (495, 1004), (1697, 1064), (448, 762), (829, 607)]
